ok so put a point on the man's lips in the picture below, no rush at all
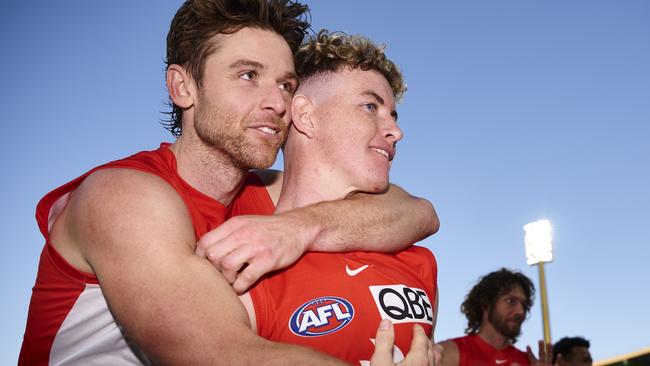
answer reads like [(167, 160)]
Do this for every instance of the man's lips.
[(266, 128), (387, 153)]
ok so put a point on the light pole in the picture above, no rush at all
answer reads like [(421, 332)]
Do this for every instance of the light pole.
[(539, 249)]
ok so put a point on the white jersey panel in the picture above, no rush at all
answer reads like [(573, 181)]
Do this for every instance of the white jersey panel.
[(89, 335)]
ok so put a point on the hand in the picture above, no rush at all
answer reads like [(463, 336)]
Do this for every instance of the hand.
[(545, 354), (245, 248), (422, 352)]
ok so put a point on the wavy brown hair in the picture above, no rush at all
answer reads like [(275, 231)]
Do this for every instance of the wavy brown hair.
[(328, 52), (485, 293), (190, 38)]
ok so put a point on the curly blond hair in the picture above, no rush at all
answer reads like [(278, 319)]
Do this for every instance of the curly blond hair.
[(328, 52)]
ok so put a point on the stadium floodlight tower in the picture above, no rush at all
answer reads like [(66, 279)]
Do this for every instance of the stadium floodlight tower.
[(539, 249)]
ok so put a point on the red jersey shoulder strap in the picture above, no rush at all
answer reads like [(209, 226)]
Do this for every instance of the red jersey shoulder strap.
[(252, 199), (206, 213)]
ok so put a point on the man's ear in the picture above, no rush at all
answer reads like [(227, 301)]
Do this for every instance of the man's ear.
[(180, 86), (486, 312), (301, 115)]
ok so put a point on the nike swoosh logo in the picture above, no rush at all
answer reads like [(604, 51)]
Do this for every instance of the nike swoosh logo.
[(354, 272), (499, 362)]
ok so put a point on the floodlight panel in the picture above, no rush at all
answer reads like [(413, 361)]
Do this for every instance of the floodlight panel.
[(538, 241)]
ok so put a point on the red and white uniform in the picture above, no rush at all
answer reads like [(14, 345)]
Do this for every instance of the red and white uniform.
[(333, 302), (474, 351), (69, 322)]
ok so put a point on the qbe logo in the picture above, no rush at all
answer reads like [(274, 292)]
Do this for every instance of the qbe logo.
[(321, 316), (402, 304)]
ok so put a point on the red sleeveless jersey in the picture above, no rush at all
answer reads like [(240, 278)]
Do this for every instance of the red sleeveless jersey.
[(68, 320), (333, 302), (474, 351)]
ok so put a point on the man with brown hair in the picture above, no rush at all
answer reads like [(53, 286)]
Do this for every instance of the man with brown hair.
[(119, 281), (342, 140), (495, 309)]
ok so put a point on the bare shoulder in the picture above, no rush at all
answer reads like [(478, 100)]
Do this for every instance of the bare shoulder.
[(272, 180), (106, 200), (449, 345), (113, 204), (450, 354), (118, 182)]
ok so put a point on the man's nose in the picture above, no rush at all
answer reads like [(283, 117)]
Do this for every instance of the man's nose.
[(392, 132), (273, 100)]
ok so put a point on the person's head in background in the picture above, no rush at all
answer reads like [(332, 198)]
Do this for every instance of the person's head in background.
[(572, 351), (499, 303)]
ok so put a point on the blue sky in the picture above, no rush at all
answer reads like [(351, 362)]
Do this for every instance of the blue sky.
[(516, 111)]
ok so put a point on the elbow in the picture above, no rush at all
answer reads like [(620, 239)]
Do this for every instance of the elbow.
[(431, 222)]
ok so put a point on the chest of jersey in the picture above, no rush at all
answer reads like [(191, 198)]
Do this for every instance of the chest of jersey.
[(334, 301)]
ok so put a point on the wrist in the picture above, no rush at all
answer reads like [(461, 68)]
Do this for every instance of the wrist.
[(307, 228)]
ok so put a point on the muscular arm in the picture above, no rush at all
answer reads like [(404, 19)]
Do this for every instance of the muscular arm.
[(134, 232), (385, 222)]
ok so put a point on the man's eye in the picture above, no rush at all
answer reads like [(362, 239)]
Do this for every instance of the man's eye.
[(370, 106), (288, 87), (248, 75)]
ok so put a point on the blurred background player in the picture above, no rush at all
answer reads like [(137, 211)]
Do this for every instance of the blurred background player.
[(495, 308), (572, 351)]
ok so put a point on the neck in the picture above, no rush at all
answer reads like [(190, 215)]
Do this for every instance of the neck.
[(492, 336), (308, 181), (206, 169)]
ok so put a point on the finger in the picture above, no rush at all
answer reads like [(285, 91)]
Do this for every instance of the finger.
[(201, 247), (549, 352), (541, 346), (431, 356), (384, 341), (418, 354), (229, 275), (234, 262), (219, 247), (216, 251), (249, 276), (219, 235), (531, 355), (437, 354)]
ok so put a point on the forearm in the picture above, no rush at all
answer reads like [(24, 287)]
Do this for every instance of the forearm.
[(282, 354), (246, 351), (384, 222)]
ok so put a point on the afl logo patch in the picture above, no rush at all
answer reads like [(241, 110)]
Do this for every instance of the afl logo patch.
[(321, 316)]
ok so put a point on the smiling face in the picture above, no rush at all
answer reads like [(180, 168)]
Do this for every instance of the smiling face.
[(357, 128), (242, 109)]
